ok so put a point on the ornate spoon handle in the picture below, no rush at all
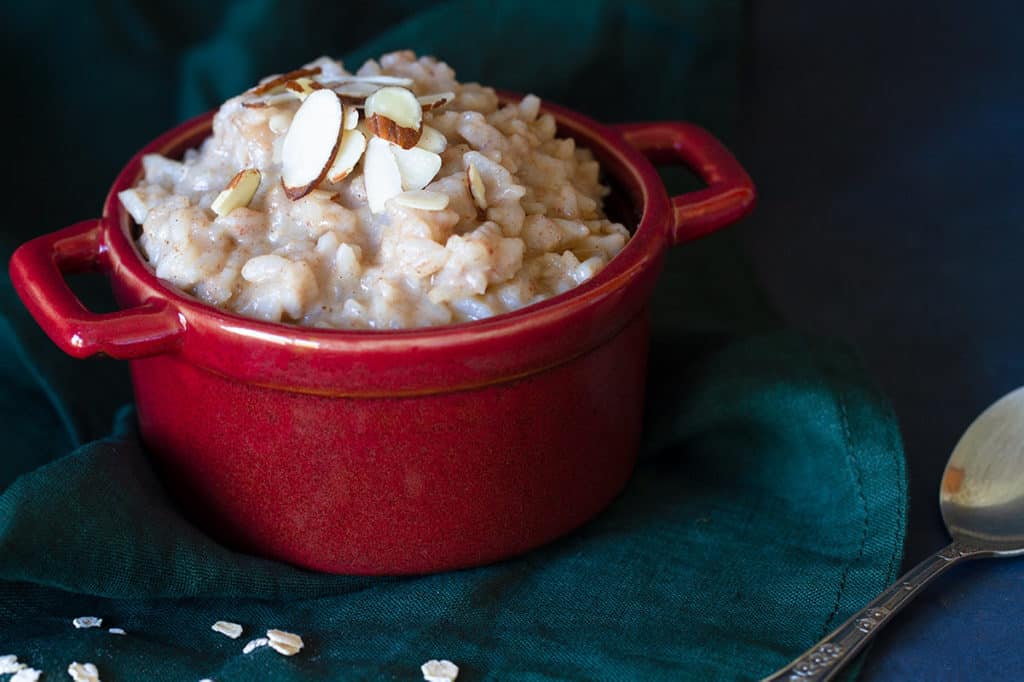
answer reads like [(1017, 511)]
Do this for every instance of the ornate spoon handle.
[(823, 660)]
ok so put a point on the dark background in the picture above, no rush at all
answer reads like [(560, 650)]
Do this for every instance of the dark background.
[(886, 142)]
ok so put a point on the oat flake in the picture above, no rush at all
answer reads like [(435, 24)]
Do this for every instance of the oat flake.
[(26, 675), (83, 672), (9, 664), (439, 671), (228, 629), (87, 622), (254, 644)]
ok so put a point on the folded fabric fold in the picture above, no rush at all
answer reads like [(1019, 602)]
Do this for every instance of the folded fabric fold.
[(768, 505)]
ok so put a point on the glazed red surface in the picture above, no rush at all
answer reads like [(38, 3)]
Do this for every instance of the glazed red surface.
[(391, 452), (401, 484)]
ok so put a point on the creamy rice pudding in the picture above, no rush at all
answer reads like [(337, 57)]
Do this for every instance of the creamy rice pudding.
[(394, 197)]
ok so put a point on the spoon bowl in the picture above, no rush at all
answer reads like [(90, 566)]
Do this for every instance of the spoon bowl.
[(982, 502), (982, 491)]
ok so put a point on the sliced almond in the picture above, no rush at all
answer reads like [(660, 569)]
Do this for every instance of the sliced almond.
[(278, 123), (385, 128), (279, 81), (476, 186), (303, 87), (271, 100), (239, 192), (311, 142), (432, 139), (394, 114), (423, 199), (417, 166), (353, 93), (350, 150), (380, 79), (435, 101), (381, 176), (351, 117)]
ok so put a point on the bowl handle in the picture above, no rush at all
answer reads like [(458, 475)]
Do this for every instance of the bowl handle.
[(730, 192), (37, 272)]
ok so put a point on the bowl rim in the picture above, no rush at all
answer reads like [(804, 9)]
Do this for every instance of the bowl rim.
[(618, 159)]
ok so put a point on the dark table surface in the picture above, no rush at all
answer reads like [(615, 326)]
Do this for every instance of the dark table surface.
[(887, 142)]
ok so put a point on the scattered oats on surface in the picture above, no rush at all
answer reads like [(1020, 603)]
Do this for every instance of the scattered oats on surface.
[(9, 664), (283, 649), (254, 644), (87, 622), (439, 671), (26, 675), (83, 672), (284, 643), (227, 628)]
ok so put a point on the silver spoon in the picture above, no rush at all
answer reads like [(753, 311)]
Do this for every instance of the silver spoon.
[(982, 502)]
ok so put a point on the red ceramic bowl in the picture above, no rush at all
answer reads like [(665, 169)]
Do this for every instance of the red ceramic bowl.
[(401, 451)]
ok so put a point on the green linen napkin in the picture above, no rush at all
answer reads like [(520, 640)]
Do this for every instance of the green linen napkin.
[(767, 506)]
